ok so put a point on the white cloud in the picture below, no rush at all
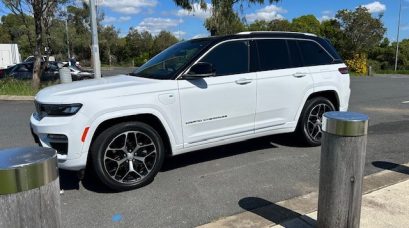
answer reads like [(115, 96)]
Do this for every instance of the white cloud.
[(375, 7), (179, 34), (156, 24), (267, 13), (326, 15), (196, 11), (128, 6), (110, 20)]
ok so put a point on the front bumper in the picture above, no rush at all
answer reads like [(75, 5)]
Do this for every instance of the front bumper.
[(49, 132)]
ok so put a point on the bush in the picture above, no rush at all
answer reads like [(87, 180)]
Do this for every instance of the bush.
[(358, 64)]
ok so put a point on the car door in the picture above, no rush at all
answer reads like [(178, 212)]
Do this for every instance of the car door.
[(222, 106), (282, 83)]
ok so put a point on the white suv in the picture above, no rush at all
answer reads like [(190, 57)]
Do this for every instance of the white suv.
[(196, 94)]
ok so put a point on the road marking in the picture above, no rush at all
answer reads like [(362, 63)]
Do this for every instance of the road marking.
[(405, 102)]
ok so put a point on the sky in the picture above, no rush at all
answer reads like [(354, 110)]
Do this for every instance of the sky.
[(157, 15)]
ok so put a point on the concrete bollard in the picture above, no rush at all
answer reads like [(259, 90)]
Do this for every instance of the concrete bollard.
[(341, 169), (29, 188), (65, 75)]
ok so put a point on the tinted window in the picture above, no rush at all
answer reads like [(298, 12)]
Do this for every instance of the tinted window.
[(295, 54), (273, 54), (313, 54), (229, 58)]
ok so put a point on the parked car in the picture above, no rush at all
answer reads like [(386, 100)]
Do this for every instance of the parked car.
[(78, 74), (31, 58), (196, 94), (24, 71), (5, 72)]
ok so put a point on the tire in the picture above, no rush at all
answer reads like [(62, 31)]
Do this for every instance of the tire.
[(309, 125), (127, 155)]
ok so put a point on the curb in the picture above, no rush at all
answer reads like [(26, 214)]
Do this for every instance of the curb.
[(298, 206), (16, 98)]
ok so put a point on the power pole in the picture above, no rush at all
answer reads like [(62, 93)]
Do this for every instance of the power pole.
[(68, 42), (95, 45), (397, 38)]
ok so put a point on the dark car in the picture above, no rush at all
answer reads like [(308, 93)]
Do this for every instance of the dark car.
[(24, 71)]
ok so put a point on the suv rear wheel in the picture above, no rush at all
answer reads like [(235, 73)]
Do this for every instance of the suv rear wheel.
[(127, 155), (309, 127)]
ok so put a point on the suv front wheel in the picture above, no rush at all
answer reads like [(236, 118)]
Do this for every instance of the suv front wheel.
[(309, 128), (127, 155)]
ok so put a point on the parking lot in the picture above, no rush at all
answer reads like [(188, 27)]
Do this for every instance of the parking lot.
[(199, 187)]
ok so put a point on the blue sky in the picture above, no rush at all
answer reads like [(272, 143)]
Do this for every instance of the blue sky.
[(156, 15)]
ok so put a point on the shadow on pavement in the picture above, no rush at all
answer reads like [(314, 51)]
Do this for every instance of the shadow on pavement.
[(69, 180), (267, 142), (274, 213), (391, 166)]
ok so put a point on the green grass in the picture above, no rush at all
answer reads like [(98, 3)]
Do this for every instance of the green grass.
[(19, 87)]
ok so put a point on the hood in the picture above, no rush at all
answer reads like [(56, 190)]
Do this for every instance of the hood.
[(77, 91)]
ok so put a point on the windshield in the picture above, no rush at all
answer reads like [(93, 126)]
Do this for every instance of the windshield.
[(168, 62)]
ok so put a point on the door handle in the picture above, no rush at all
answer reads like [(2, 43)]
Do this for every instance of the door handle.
[(299, 74), (243, 81)]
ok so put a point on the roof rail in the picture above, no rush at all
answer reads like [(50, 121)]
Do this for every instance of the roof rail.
[(274, 32)]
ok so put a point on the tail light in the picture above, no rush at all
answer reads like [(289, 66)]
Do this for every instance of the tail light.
[(1, 73), (343, 70)]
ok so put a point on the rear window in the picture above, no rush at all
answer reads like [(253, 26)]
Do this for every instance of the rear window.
[(313, 54), (273, 54)]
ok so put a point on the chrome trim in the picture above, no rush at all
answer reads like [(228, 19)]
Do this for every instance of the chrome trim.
[(345, 123), (26, 168)]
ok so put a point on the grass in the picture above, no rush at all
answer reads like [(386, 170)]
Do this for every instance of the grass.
[(15, 87)]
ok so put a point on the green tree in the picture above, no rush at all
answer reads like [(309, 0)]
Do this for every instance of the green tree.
[(306, 23), (43, 12), (361, 30), (162, 41)]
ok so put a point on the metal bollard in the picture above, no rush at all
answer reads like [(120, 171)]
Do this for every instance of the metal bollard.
[(65, 75), (341, 169), (29, 188)]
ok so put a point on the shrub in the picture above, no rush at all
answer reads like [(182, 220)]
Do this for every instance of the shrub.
[(358, 64)]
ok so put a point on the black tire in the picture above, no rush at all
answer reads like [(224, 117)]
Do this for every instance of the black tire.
[(114, 135), (304, 127)]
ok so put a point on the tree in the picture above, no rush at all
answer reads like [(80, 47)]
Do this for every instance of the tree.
[(224, 19), (163, 40), (306, 23), (43, 12), (361, 30)]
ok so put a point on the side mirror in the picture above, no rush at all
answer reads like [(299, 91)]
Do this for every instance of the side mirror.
[(200, 70)]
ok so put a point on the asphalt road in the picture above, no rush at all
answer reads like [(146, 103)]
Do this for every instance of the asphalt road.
[(199, 187)]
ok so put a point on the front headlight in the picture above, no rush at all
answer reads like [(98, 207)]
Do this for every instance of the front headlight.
[(57, 109)]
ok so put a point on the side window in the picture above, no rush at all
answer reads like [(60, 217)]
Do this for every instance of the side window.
[(273, 54), (313, 54), (296, 60), (229, 58)]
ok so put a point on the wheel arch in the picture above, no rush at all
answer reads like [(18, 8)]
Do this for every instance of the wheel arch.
[(330, 94), (155, 121)]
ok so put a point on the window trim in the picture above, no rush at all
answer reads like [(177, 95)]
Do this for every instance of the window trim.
[(179, 76)]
